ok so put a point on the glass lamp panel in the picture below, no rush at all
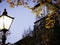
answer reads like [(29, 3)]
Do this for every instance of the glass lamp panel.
[(7, 22), (1, 22)]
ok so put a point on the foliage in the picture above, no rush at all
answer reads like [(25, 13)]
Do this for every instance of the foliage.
[(50, 21), (27, 2)]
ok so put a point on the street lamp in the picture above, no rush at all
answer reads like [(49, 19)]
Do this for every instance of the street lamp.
[(5, 23)]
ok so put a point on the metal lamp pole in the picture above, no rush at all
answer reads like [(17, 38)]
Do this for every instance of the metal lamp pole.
[(5, 23), (4, 37)]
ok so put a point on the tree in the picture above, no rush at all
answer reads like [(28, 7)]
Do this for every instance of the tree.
[(27, 32), (27, 2)]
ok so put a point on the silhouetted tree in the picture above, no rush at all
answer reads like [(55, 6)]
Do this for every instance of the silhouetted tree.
[(27, 32)]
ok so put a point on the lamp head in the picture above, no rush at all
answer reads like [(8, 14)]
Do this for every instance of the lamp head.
[(5, 21)]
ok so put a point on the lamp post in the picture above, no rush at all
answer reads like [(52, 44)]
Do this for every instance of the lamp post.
[(5, 23)]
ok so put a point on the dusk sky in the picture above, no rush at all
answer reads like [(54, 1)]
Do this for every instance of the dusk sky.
[(23, 19)]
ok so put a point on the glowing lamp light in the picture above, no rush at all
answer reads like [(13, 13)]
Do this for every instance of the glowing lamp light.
[(5, 21)]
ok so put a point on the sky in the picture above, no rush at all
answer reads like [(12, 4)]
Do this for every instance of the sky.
[(23, 19)]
